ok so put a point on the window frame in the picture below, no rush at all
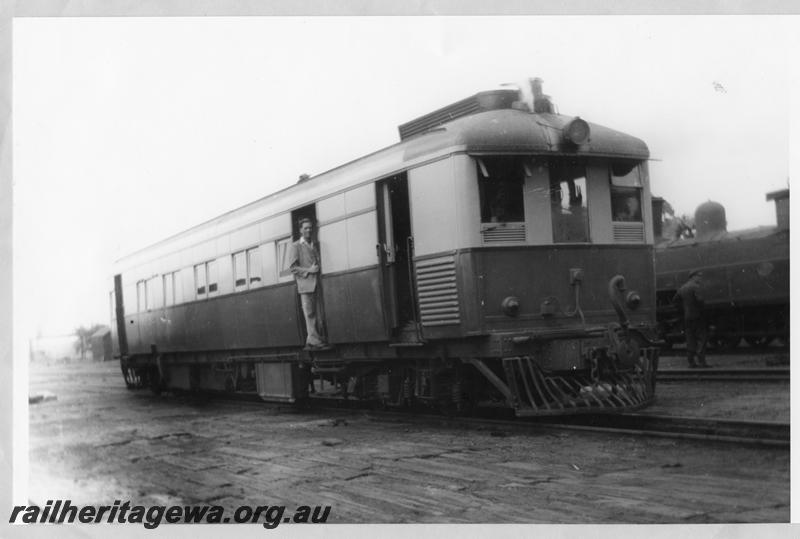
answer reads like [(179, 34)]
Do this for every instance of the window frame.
[(619, 186), (254, 259), (284, 271), (170, 300), (557, 181), (206, 269), (487, 184), (250, 261)]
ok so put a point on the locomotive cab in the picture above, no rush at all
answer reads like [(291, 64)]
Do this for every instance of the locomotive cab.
[(533, 255)]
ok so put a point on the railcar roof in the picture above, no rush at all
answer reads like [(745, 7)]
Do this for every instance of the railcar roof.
[(510, 130), (506, 131)]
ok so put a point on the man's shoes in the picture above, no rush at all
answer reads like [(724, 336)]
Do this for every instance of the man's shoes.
[(704, 365), (693, 365)]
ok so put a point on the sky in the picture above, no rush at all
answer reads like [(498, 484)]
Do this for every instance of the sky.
[(128, 130)]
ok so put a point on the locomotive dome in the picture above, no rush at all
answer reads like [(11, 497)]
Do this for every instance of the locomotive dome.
[(709, 218)]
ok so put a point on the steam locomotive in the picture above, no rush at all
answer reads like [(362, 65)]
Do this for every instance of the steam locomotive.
[(745, 276), (487, 259)]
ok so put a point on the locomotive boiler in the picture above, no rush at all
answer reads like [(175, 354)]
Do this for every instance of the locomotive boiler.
[(745, 277), (500, 255)]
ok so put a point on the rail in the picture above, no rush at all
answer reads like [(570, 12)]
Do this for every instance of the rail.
[(766, 374)]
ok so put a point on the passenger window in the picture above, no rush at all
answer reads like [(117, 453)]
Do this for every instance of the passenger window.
[(254, 267), (239, 271), (155, 290), (568, 209), (169, 289), (211, 268), (626, 191), (200, 280), (500, 183), (177, 288), (246, 269), (282, 247)]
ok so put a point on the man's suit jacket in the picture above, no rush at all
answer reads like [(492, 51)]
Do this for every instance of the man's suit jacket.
[(302, 257)]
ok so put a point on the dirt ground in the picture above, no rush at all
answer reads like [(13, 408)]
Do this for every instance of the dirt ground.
[(754, 401), (97, 442)]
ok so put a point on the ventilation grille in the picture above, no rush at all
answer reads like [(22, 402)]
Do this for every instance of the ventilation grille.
[(493, 234), (437, 291), (629, 232), (491, 100)]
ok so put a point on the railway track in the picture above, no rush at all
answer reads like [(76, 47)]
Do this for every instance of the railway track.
[(714, 430), (765, 374), (739, 351), (721, 430), (758, 433)]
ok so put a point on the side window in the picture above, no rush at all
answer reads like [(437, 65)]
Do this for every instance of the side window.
[(213, 277), (205, 279), (169, 289), (200, 280), (254, 267), (239, 271), (282, 247), (246, 269), (626, 191), (568, 209), (500, 184), (172, 289), (177, 287), (151, 286)]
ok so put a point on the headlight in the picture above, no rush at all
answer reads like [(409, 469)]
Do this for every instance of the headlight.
[(577, 132)]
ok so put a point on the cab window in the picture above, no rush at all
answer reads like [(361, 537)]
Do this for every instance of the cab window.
[(626, 191), (568, 210), (500, 183)]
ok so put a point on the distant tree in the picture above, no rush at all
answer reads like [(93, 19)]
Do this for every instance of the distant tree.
[(82, 336)]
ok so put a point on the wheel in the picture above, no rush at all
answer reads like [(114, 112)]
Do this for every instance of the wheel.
[(132, 379)]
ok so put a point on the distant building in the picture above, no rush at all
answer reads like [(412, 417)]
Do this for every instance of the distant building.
[(52, 348), (100, 343)]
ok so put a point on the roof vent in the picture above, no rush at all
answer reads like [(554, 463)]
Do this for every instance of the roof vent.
[(480, 102)]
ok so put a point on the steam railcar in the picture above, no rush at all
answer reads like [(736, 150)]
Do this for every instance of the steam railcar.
[(487, 259)]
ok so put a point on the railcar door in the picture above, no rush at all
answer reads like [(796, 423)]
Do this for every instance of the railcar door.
[(309, 212), (396, 259)]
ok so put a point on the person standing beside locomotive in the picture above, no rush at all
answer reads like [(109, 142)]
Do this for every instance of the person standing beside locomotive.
[(304, 263), (690, 300)]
